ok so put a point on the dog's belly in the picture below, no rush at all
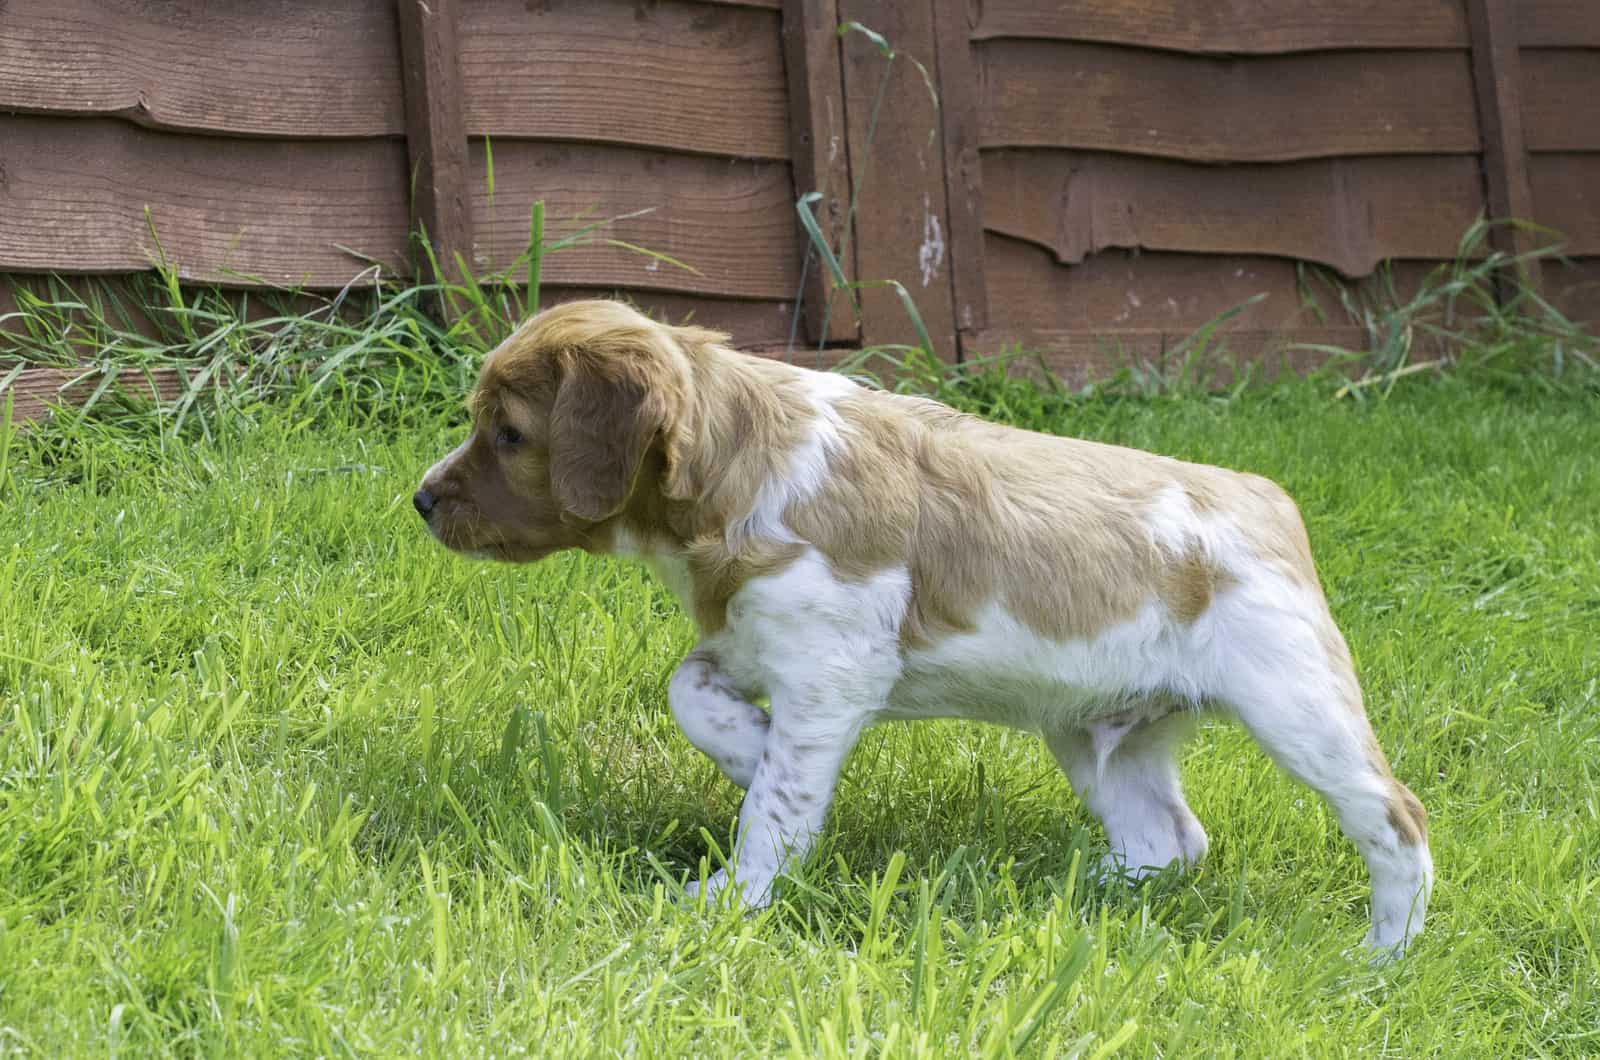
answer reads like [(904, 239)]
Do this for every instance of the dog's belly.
[(1033, 704), (1003, 672), (1004, 699)]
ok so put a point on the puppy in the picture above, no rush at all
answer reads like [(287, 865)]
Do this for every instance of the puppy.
[(858, 556)]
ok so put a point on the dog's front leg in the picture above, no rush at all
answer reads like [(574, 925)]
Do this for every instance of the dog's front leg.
[(827, 654), (809, 739), (717, 718)]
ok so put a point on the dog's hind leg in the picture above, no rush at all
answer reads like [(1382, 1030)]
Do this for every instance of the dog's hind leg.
[(1135, 790), (1289, 679), (727, 728)]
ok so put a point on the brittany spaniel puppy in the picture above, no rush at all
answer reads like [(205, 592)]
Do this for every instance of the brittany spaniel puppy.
[(857, 556)]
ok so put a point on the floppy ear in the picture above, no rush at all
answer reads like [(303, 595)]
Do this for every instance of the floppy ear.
[(600, 429)]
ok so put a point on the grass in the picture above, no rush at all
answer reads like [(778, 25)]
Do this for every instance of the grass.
[(280, 776)]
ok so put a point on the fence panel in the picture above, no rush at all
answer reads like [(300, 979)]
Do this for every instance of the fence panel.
[(1095, 179)]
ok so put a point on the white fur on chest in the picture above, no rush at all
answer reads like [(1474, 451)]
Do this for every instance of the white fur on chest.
[(803, 628)]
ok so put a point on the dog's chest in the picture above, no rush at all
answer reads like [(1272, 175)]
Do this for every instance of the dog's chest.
[(803, 629)]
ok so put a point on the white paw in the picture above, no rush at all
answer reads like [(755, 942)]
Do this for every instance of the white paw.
[(1385, 946), (712, 886), (752, 894), (1115, 868)]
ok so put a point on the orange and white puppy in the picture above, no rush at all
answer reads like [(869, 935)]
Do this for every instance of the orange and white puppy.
[(856, 556)]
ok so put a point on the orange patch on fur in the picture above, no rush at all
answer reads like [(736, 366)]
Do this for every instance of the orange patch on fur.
[(1407, 816)]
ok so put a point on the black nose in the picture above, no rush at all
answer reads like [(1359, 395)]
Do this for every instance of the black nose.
[(424, 500)]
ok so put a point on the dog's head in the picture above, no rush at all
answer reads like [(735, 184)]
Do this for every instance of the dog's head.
[(570, 417)]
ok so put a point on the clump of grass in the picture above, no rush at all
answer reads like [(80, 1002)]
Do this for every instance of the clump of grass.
[(373, 340), (1477, 316)]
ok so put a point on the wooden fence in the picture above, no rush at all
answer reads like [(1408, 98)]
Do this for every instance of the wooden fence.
[(1096, 175)]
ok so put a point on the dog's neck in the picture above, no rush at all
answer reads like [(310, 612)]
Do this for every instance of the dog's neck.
[(745, 418)]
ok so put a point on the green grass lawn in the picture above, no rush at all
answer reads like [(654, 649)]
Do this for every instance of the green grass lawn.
[(280, 776)]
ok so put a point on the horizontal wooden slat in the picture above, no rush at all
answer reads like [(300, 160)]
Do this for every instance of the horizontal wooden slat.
[(752, 325), (1349, 213), (1559, 90), (1255, 27), (1558, 23), (81, 195), (1115, 290), (761, 325), (135, 300), (37, 391), (301, 68), (1574, 288), (1080, 357), (1047, 94), (733, 222), (1566, 197), (1170, 293), (686, 76)]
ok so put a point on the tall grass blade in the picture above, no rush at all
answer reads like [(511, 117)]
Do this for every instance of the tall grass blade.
[(535, 254), (819, 242)]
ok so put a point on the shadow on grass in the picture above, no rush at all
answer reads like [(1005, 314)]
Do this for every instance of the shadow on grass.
[(495, 809)]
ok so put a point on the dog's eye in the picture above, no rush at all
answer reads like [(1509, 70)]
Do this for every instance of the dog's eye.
[(507, 437)]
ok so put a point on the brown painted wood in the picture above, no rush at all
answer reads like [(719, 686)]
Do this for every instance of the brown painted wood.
[(301, 68), (436, 136), (1078, 358), (1174, 293), (1255, 27), (1118, 291), (1497, 80), (732, 221), (902, 228), (141, 311), (754, 326), (38, 391), (818, 140), (1558, 98), (1349, 213), (1558, 23), (958, 92), (1118, 308), (75, 192), (1048, 94), (1574, 288), (1566, 192), (685, 76), (760, 325)]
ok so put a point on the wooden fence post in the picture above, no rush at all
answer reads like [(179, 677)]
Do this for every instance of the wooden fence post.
[(902, 220), (820, 156), (1497, 79), (958, 91), (436, 132)]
